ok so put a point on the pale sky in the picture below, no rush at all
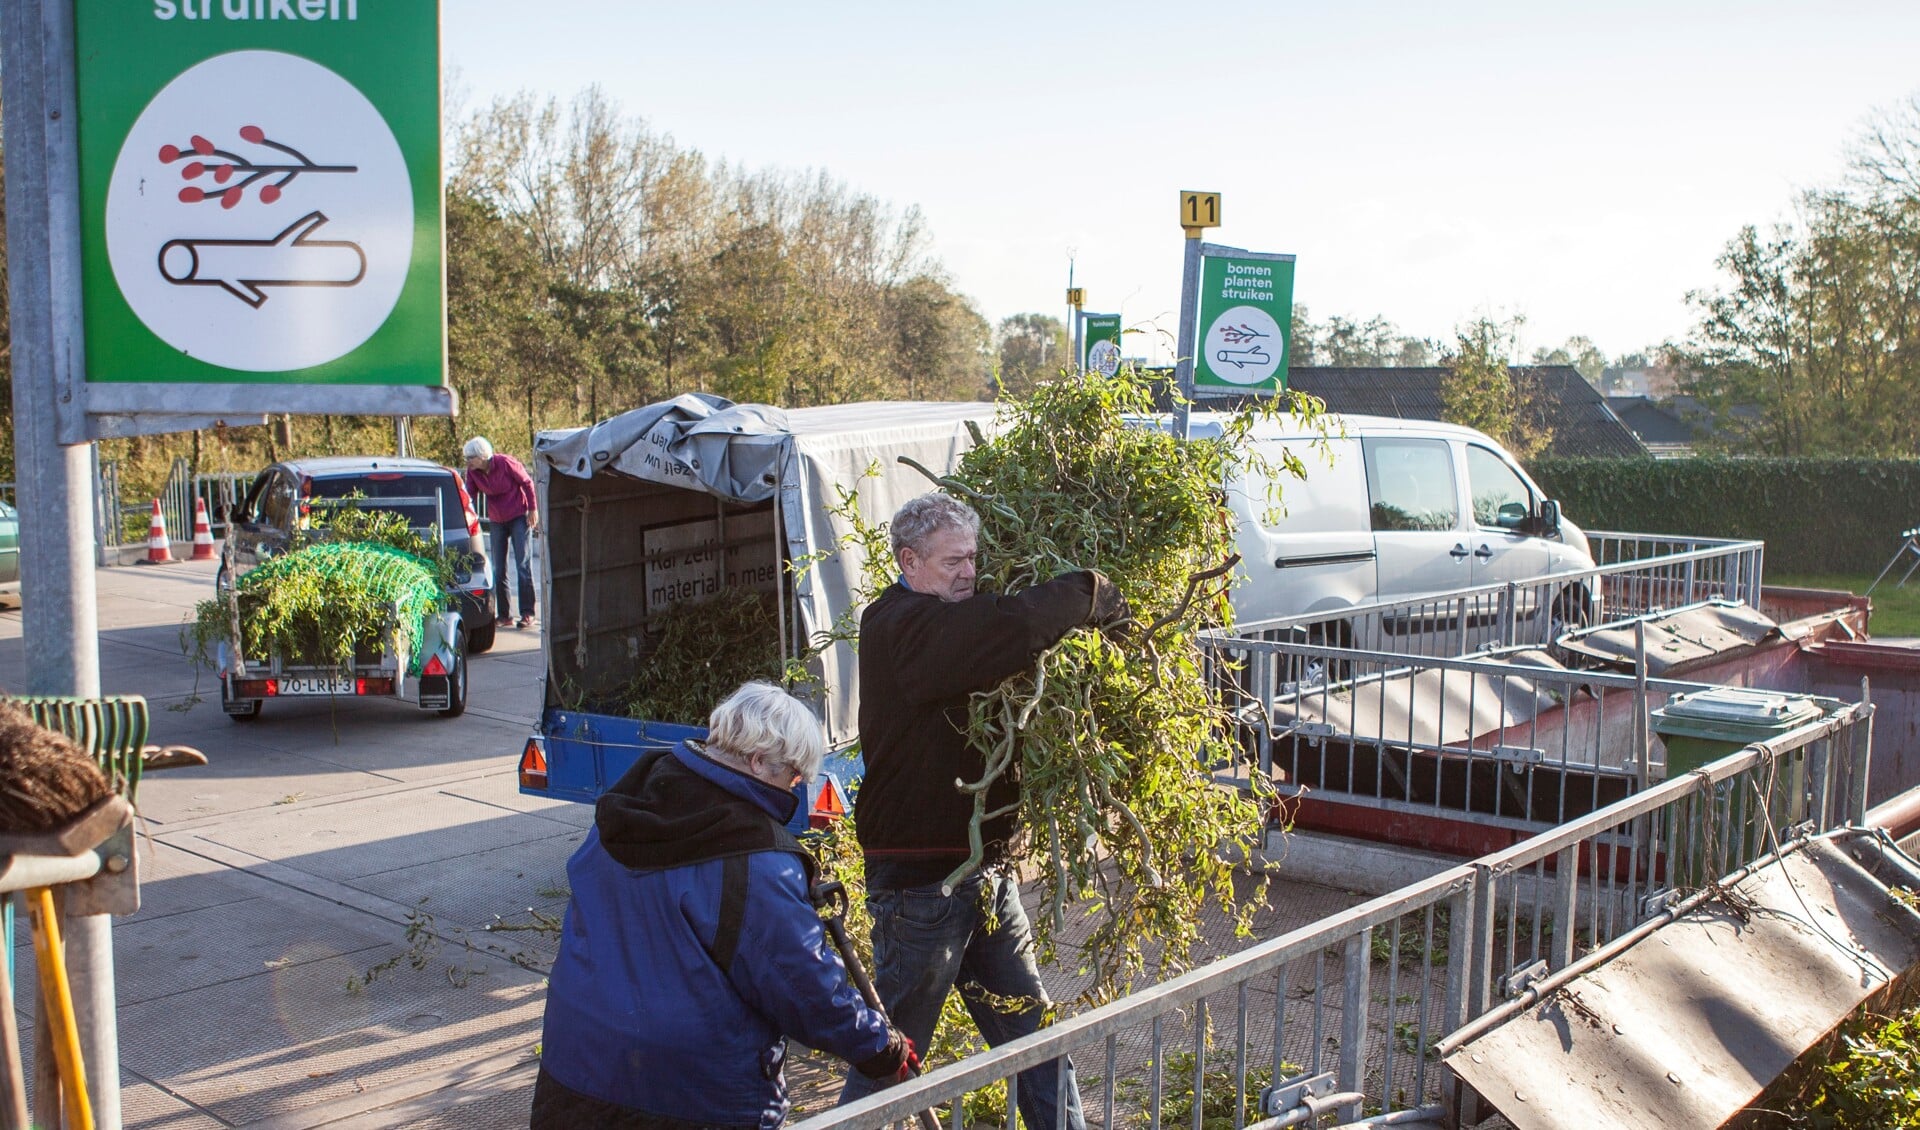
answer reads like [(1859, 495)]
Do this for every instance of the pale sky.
[(1578, 164)]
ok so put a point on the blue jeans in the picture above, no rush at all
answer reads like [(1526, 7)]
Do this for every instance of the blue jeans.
[(497, 536), (924, 943)]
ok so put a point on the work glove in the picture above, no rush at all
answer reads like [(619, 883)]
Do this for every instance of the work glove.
[(1110, 609), (895, 1063)]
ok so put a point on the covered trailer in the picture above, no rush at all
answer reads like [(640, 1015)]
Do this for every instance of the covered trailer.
[(690, 498)]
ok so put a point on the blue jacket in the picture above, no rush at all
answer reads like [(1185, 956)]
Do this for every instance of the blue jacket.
[(638, 1012)]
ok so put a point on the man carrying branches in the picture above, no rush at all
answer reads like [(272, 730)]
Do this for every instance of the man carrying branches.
[(926, 644)]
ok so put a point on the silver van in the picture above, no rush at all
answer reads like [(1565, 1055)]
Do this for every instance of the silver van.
[(1392, 509)]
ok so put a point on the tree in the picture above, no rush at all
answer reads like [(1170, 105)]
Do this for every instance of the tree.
[(1813, 346), (1374, 343), (1031, 348), (1579, 352), (1482, 391)]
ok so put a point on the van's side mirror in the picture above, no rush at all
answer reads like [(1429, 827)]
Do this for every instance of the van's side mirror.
[(1549, 518)]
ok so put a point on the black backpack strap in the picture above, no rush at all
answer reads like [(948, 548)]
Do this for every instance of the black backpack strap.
[(733, 911), (733, 895)]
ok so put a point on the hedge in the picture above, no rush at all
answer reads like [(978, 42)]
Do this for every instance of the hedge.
[(1816, 515)]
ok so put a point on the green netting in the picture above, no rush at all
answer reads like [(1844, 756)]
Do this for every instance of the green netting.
[(320, 603)]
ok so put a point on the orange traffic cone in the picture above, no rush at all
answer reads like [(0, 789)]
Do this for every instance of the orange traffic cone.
[(202, 532), (159, 552)]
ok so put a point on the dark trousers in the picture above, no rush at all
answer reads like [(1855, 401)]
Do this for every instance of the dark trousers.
[(499, 535)]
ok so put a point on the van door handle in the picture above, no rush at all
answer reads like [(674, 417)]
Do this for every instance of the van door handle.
[(1459, 552), (1484, 552)]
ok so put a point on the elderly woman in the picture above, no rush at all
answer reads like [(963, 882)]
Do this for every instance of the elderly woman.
[(691, 951), (513, 513)]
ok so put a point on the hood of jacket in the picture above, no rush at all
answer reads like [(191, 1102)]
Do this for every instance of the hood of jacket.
[(679, 806)]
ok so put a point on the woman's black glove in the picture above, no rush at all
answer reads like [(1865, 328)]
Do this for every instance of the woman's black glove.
[(1110, 608)]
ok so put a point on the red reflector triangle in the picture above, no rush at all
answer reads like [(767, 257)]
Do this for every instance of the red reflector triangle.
[(828, 803), (435, 667)]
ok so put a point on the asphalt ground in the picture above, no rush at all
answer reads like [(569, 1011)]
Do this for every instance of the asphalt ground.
[(341, 914)]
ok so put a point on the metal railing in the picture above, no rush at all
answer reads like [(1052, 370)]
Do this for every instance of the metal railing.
[(1347, 1017), (1502, 740), (1637, 574)]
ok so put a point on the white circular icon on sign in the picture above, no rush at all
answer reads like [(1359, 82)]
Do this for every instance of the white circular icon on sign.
[(1244, 346), (260, 215), (1104, 358)]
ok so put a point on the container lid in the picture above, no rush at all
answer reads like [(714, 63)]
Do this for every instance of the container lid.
[(1740, 706)]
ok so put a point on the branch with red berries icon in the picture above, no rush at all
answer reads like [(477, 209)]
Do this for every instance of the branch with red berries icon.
[(1234, 335), (223, 166)]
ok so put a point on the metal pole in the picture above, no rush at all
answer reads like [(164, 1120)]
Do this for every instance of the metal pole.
[(1079, 339), (1189, 315), (58, 612), (402, 437), (1642, 730)]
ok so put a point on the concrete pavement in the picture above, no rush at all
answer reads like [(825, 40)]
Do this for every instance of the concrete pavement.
[(312, 943)]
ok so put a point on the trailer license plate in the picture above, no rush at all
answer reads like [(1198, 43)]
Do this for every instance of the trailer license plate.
[(316, 686)]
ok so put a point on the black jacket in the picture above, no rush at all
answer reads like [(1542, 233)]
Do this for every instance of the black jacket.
[(920, 657)]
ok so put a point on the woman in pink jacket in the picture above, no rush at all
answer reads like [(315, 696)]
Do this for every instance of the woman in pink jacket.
[(514, 514)]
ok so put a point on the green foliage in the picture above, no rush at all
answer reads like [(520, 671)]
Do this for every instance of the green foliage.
[(354, 575), (1115, 737), (1816, 515), (955, 1037), (1865, 1075), (1031, 348), (1218, 1088), (320, 604), (1482, 392), (701, 652)]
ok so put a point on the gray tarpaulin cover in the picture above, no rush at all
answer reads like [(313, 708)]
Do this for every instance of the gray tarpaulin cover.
[(803, 457)]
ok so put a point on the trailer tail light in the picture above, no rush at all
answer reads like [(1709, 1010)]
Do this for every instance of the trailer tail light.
[(372, 686), (256, 688), (434, 667), (533, 764), (827, 805)]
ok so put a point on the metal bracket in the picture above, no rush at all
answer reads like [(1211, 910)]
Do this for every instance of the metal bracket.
[(1291, 1094), (1516, 982), (1657, 902), (1519, 755), (1312, 731)]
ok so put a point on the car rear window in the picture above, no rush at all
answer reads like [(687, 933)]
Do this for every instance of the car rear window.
[(409, 494)]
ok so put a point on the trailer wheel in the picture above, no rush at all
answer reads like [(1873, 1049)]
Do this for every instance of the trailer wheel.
[(457, 680)]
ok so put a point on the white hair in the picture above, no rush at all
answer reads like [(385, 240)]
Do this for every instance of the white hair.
[(477, 448), (762, 719), (919, 518)]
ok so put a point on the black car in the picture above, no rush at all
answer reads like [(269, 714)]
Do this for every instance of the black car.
[(430, 497)]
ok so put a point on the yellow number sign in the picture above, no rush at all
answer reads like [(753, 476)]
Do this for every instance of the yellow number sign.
[(1076, 296), (1199, 209)]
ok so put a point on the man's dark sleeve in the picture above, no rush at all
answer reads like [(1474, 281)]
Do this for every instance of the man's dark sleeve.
[(947, 648)]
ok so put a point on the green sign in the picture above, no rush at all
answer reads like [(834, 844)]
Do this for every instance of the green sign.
[(1246, 319), (260, 202), (1100, 339)]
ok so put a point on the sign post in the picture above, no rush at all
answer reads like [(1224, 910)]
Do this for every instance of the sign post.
[(1076, 298), (1245, 321), (59, 613), (1198, 212), (260, 212), (1101, 334)]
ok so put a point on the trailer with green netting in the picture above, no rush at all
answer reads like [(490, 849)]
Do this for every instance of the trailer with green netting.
[(342, 620)]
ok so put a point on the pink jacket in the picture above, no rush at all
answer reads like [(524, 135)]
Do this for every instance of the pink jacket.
[(508, 487)]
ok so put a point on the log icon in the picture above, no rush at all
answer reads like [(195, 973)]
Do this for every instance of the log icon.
[(244, 268)]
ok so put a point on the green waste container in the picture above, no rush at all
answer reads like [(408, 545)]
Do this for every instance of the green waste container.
[(1705, 726)]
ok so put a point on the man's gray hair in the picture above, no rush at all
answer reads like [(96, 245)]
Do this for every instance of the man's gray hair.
[(760, 718), (921, 517)]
